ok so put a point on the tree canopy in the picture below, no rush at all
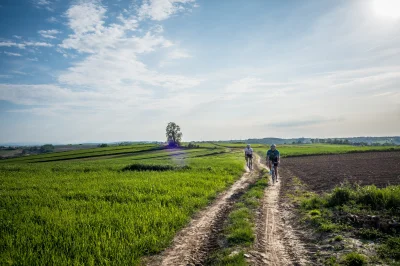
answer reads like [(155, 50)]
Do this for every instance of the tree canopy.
[(173, 134)]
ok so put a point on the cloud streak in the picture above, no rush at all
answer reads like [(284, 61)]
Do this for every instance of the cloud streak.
[(49, 34), (24, 44), (12, 54), (303, 123)]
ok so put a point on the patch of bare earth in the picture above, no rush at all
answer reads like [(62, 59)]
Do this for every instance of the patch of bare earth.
[(192, 245), (324, 172)]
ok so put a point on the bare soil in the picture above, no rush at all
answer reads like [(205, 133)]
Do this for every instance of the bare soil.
[(324, 172)]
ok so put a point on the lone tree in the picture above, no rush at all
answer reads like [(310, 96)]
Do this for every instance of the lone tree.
[(174, 134)]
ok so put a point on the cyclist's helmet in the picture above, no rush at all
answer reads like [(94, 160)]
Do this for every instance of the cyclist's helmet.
[(248, 145), (273, 146)]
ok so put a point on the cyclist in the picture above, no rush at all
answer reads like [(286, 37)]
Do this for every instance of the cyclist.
[(273, 157), (248, 153)]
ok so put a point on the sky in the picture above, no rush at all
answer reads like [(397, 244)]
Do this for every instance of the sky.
[(104, 71)]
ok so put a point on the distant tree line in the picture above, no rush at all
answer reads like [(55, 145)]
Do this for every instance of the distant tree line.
[(331, 141), (9, 148), (47, 148), (348, 142)]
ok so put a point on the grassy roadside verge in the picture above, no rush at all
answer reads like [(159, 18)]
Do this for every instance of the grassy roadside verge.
[(238, 233), (351, 225)]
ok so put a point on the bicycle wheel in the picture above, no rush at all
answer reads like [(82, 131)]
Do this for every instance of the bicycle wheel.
[(273, 175)]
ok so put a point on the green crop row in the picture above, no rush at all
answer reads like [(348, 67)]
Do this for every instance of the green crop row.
[(82, 153)]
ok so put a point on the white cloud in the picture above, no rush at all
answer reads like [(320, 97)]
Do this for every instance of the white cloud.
[(38, 44), (249, 86), (12, 44), (49, 33), (32, 59), (24, 44), (17, 37), (120, 69), (178, 54), (12, 54), (162, 9), (52, 20), (174, 55), (86, 17), (90, 35), (44, 4), (114, 62)]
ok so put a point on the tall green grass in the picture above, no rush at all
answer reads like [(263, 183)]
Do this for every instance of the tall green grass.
[(387, 198), (98, 212)]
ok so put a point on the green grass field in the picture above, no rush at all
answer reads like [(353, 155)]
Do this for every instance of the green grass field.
[(320, 149), (94, 212), (112, 206)]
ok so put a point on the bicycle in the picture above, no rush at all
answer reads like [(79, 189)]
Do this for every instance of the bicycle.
[(272, 172), (249, 162)]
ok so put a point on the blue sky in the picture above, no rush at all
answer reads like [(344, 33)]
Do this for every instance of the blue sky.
[(91, 70)]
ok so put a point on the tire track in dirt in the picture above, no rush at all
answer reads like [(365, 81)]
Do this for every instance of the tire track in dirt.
[(276, 241), (192, 244)]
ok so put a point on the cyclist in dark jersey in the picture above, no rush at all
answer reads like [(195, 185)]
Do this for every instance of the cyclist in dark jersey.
[(273, 157)]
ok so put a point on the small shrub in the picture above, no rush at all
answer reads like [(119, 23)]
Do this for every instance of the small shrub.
[(331, 261), (390, 249), (327, 226), (313, 202), (369, 234), (354, 259), (340, 196), (154, 167)]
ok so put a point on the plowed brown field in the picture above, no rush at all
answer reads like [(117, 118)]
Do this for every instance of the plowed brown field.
[(324, 172)]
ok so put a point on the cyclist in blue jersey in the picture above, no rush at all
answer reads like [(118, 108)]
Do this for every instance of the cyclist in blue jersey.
[(273, 157)]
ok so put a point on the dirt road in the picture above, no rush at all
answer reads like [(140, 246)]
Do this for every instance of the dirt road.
[(276, 243), (192, 244)]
